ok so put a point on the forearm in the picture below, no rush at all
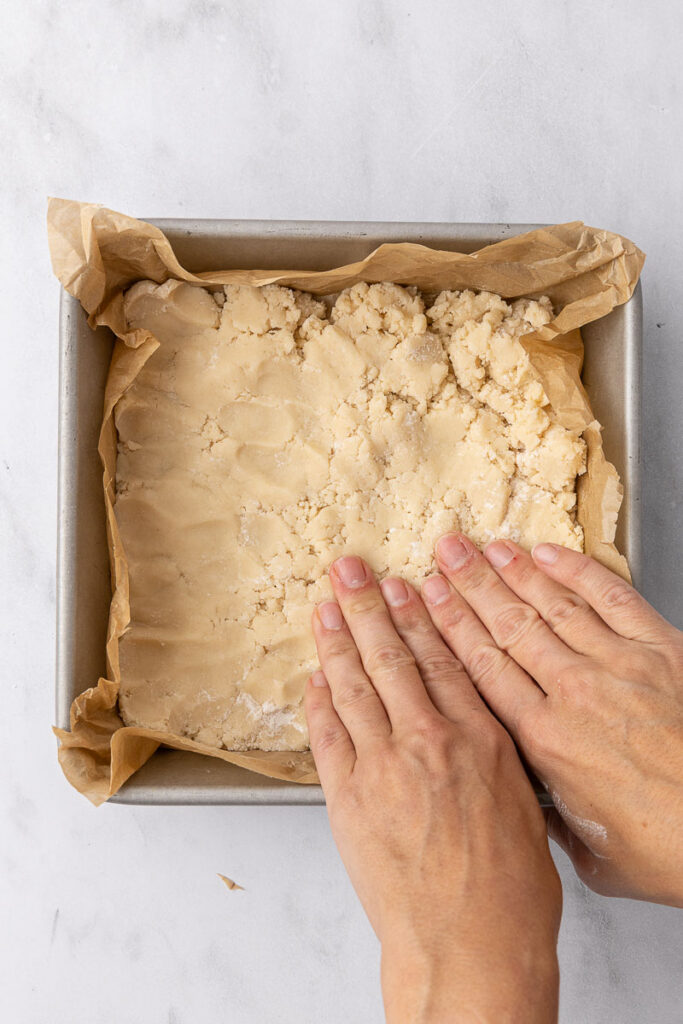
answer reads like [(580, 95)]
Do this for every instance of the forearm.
[(453, 982)]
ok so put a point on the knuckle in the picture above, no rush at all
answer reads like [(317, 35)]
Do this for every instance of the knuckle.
[(352, 695), (619, 595), (432, 734), (416, 625), (563, 609), (336, 647), (328, 737), (484, 660), (514, 623), (389, 657), (451, 617), (436, 664), (429, 724)]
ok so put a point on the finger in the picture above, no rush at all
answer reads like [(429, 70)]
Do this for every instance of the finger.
[(354, 697), (567, 614), (515, 626), (507, 689), (386, 659), (444, 676), (617, 603), (331, 746)]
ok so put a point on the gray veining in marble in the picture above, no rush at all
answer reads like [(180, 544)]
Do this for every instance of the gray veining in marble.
[(475, 110)]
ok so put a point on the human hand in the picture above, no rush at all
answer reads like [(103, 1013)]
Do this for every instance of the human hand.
[(588, 679), (432, 812)]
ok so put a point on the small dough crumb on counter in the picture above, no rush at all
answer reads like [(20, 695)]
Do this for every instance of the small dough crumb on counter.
[(271, 432)]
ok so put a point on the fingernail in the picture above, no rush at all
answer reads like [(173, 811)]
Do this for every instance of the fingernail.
[(330, 615), (435, 590), (350, 571), (498, 554), (395, 592), (545, 553), (318, 679), (452, 551)]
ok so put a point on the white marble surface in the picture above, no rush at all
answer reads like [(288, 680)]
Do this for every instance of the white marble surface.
[(515, 111)]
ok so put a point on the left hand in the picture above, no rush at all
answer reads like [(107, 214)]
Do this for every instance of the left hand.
[(433, 814), (586, 676)]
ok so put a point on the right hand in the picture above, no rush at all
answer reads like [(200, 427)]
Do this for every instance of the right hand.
[(588, 679)]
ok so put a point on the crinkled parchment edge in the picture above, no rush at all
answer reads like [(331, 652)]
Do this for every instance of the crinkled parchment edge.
[(97, 253)]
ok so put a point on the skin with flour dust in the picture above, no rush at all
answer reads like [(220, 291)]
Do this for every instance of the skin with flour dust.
[(591, 833), (429, 804)]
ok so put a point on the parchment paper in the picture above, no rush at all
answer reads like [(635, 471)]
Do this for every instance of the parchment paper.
[(98, 253)]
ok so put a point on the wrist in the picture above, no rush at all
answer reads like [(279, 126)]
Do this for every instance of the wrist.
[(450, 979)]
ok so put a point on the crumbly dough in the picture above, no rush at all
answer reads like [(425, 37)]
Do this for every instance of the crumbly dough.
[(269, 434)]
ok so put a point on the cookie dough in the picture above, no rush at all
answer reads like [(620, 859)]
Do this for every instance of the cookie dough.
[(271, 432)]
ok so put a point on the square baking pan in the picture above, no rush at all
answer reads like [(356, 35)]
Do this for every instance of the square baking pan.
[(612, 373)]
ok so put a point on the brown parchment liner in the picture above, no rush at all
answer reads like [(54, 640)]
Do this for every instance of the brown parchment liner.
[(98, 253)]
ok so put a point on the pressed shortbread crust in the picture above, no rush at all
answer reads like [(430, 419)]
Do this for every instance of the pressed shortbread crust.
[(264, 438)]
